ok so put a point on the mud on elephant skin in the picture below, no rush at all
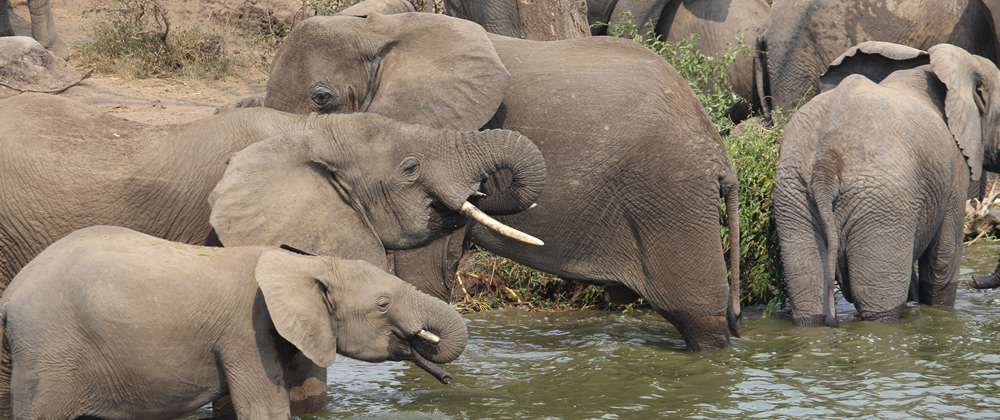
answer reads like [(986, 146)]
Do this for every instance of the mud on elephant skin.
[(144, 299), (625, 201), (25, 66), (874, 174)]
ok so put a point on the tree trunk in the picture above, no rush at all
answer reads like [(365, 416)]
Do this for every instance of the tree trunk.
[(550, 20)]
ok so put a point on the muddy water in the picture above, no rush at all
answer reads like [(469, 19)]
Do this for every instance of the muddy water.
[(936, 363)]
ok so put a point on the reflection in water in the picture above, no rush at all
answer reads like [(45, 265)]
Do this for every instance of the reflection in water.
[(935, 363)]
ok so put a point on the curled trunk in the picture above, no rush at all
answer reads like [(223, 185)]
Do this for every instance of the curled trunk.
[(498, 154), (989, 281)]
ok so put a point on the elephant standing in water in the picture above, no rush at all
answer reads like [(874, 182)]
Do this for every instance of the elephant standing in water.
[(635, 167), (874, 175), (803, 37), (111, 323), (350, 186), (43, 26)]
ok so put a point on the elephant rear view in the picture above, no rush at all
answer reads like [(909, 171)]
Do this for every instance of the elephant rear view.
[(635, 168), (873, 177)]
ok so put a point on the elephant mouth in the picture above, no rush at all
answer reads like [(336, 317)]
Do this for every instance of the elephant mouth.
[(444, 220), (411, 349)]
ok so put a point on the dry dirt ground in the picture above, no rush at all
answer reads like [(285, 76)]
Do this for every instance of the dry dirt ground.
[(160, 101)]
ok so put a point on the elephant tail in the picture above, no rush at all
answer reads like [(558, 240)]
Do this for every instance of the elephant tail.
[(5, 364), (733, 311), (824, 205)]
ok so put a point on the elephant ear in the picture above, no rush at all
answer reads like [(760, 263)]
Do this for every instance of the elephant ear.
[(971, 81), (275, 192), (437, 71), (872, 59), (385, 7), (298, 303)]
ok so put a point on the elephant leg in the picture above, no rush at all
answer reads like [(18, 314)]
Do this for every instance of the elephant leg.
[(43, 28), (5, 28), (939, 265), (682, 271), (879, 266), (306, 385), (803, 253)]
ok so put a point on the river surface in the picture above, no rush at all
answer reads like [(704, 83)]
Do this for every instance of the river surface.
[(936, 363)]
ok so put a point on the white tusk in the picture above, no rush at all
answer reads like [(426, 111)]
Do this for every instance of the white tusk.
[(479, 194), (533, 205), (471, 211), (429, 336)]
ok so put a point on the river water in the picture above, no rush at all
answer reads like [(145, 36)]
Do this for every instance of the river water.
[(936, 363)]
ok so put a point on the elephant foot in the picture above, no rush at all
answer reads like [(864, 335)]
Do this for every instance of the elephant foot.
[(891, 316), (813, 321), (58, 48)]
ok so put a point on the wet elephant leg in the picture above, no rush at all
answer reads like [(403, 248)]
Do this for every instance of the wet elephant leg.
[(939, 266), (879, 266), (306, 383)]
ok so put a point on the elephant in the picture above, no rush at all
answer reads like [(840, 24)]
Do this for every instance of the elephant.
[(542, 20), (111, 323), (26, 66), (717, 23), (801, 38), (43, 26), (873, 176), (635, 167), (379, 183)]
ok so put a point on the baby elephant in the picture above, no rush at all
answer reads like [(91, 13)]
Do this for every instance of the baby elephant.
[(115, 324)]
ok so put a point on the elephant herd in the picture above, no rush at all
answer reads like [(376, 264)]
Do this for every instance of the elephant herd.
[(239, 253)]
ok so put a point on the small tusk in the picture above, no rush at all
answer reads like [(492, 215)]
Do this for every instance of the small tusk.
[(471, 211), (533, 205), (429, 336), (479, 194)]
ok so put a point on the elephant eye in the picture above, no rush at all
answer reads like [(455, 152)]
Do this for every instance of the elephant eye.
[(410, 167), (325, 99), (383, 303)]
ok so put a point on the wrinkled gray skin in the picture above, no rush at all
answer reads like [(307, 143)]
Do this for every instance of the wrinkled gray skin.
[(803, 37), (43, 26), (26, 66), (383, 184), (115, 324), (715, 21), (874, 177), (625, 203)]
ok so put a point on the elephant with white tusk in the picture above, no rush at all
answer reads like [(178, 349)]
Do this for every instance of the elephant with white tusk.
[(111, 323)]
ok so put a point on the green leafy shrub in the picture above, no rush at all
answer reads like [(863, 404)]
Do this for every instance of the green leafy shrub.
[(493, 282), (133, 39)]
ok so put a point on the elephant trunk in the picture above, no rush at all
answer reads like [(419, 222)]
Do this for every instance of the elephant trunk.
[(497, 154), (990, 281), (435, 330)]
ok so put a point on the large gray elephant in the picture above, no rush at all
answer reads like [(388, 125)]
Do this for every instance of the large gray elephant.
[(111, 323), (874, 175), (802, 38), (716, 22), (29, 67), (43, 26), (635, 167), (376, 183)]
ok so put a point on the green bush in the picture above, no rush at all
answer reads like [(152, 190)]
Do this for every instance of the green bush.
[(133, 39)]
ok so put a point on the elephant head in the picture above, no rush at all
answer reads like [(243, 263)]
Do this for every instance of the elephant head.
[(326, 305), (415, 67), (367, 183)]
